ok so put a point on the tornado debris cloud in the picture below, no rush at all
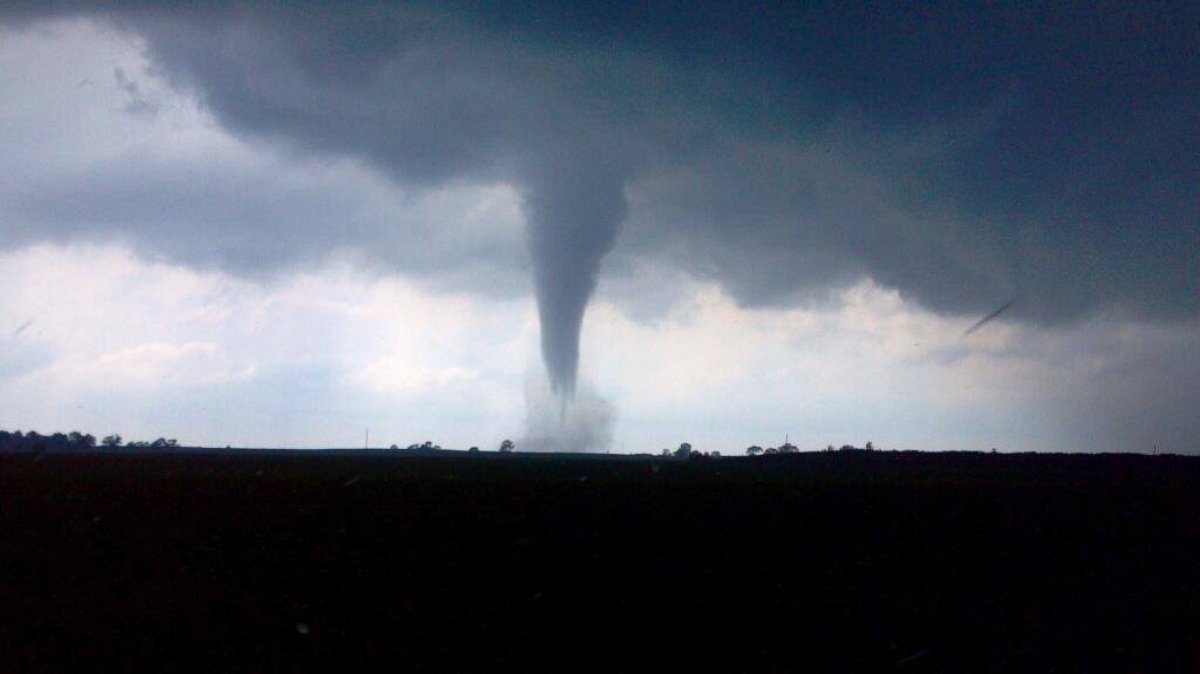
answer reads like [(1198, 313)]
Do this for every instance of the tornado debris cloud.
[(585, 424)]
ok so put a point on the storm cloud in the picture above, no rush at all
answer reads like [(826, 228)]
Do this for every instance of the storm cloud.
[(961, 155)]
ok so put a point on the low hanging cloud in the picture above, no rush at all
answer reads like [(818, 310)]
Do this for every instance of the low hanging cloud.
[(1070, 180)]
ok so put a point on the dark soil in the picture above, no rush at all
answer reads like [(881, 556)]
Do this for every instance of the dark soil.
[(826, 562)]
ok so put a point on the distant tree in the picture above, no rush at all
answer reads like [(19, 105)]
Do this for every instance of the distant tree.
[(159, 443), (770, 450), (665, 452), (829, 448), (848, 448), (788, 448), (413, 446), (77, 439), (507, 446), (473, 450), (870, 446), (715, 453), (754, 450), (393, 447), (684, 451)]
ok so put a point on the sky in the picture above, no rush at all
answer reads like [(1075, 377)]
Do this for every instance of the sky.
[(603, 229)]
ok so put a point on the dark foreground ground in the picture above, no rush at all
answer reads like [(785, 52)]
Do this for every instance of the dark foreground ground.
[(868, 562)]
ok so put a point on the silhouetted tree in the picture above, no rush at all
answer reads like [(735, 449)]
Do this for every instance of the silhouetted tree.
[(507, 446), (393, 447), (788, 448), (754, 450), (770, 450), (113, 440), (684, 451), (870, 446), (473, 450)]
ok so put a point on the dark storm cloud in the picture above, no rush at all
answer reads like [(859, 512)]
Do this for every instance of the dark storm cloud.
[(961, 154), (407, 91), (258, 221)]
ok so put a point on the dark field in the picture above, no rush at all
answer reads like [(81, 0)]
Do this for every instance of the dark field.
[(826, 562)]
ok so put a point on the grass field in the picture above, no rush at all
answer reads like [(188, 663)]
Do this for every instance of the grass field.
[(813, 562)]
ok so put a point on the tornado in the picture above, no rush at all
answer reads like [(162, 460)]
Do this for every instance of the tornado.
[(574, 208)]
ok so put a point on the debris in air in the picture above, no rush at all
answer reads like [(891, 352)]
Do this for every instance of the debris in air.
[(990, 317), (22, 328)]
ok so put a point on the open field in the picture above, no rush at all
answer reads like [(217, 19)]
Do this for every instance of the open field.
[(879, 562)]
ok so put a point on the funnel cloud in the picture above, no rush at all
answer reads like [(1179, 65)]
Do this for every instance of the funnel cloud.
[(573, 216)]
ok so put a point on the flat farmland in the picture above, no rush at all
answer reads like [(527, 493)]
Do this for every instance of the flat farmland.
[(880, 561)]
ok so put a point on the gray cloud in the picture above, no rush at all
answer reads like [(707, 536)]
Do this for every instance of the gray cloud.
[(1054, 159), (261, 220), (138, 103)]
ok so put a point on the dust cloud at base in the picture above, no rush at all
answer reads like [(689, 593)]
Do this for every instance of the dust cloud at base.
[(556, 423)]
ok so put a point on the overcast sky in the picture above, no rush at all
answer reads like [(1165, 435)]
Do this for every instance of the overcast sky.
[(282, 225)]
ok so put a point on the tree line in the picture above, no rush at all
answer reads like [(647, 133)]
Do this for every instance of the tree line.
[(788, 448), (34, 441), (506, 447)]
